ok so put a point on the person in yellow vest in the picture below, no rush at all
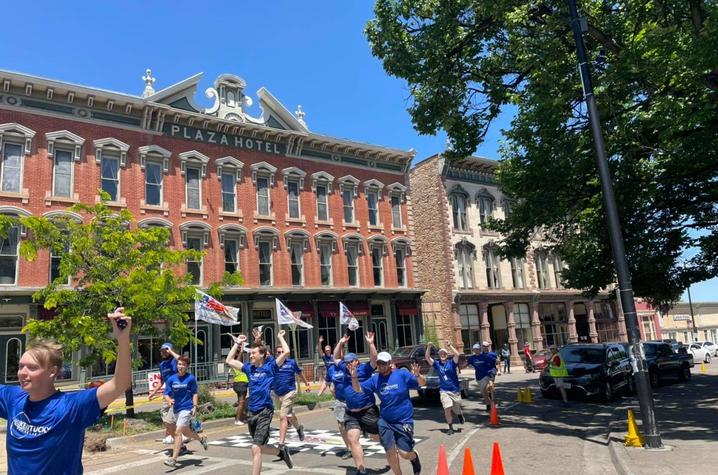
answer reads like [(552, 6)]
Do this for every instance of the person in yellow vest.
[(557, 370), (241, 382)]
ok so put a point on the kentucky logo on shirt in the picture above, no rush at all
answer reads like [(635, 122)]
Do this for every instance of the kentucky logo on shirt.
[(22, 428), (387, 388)]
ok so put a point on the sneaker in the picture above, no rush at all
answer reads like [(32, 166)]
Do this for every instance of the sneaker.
[(185, 439), (300, 432), (238, 423), (461, 418), (450, 431), (170, 462), (183, 450), (169, 440), (203, 441), (286, 456), (416, 464), (347, 454)]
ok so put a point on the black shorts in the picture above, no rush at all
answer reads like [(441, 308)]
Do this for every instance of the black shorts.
[(240, 389), (365, 419), (259, 425)]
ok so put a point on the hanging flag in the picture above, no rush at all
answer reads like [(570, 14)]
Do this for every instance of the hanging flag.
[(212, 310), (347, 318), (286, 317)]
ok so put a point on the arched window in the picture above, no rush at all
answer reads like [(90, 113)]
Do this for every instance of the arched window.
[(458, 198), (485, 200), (13, 352), (465, 254), (493, 267)]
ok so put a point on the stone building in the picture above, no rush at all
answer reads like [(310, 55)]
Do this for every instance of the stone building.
[(307, 218), (472, 294), (678, 322)]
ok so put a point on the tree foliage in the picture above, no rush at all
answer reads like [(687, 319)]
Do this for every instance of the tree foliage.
[(109, 262), (655, 73)]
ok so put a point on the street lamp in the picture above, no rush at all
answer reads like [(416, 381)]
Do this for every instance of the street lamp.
[(643, 387)]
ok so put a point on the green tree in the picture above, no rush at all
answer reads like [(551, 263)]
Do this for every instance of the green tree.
[(109, 263), (655, 71)]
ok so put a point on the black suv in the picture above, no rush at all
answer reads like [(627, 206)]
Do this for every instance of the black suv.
[(601, 369)]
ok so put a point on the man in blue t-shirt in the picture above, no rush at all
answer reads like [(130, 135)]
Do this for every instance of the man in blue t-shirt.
[(46, 427), (362, 413), (285, 393), (396, 423), (261, 371), (168, 367), (485, 363), (449, 389), (326, 352), (181, 394)]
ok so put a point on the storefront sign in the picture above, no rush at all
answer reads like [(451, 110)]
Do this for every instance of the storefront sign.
[(228, 140), (154, 380), (681, 318)]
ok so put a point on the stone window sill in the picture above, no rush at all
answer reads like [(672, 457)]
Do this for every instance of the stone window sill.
[(24, 196), (113, 204), (236, 215), (272, 218), (165, 208), (302, 221), (49, 199), (194, 212)]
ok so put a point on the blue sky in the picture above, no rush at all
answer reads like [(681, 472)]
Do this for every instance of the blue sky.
[(311, 52)]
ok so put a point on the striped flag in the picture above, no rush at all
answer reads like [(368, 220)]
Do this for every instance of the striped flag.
[(211, 310), (346, 317), (286, 317)]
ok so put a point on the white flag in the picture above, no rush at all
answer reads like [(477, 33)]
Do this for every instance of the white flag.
[(212, 310), (347, 318), (286, 317)]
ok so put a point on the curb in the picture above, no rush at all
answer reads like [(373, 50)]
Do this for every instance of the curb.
[(118, 442), (616, 446)]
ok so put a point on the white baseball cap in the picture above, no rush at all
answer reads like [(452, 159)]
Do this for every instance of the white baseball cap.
[(444, 350), (476, 346), (384, 356)]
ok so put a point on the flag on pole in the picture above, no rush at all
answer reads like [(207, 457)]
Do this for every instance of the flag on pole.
[(347, 318), (286, 317), (212, 310)]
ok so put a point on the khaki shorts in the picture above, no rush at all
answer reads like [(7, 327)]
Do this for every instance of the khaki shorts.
[(484, 382), (284, 404), (183, 418), (340, 410), (450, 399), (167, 413)]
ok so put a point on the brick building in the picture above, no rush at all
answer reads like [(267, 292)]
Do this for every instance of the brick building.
[(306, 218), (471, 294)]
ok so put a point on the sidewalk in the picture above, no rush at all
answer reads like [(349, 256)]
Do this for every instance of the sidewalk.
[(687, 416)]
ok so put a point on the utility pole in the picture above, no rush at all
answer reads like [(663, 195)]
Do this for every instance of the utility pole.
[(694, 333), (640, 370)]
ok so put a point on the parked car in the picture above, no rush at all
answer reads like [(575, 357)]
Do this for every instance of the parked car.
[(710, 346), (662, 361), (594, 369), (700, 354), (539, 359)]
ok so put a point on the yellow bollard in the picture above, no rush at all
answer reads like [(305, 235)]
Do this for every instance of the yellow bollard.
[(520, 395), (634, 438), (528, 397), (704, 369)]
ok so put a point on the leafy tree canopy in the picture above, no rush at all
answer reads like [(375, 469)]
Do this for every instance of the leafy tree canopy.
[(109, 262), (655, 72)]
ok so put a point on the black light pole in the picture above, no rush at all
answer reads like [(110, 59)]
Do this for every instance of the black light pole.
[(643, 387)]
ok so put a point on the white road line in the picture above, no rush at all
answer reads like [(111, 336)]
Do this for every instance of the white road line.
[(125, 466)]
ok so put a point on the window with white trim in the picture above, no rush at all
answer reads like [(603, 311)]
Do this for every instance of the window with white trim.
[(293, 206), (110, 179), (522, 318), (558, 267), (55, 261), (377, 262), (153, 183), (486, 206), (15, 143), (493, 270), (518, 276), (325, 263), (9, 256), (458, 199), (396, 221), (465, 254), (229, 192), (263, 178), (231, 255), (541, 261), (372, 200), (263, 204), (348, 185), (322, 203), (11, 167), (266, 241), (62, 174), (193, 187), (296, 251), (352, 249), (194, 267), (400, 255), (403, 330)]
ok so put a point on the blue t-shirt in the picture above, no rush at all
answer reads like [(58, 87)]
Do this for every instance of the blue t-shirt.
[(393, 392), (181, 389), (484, 364), (328, 360), (336, 377), (260, 382), (46, 437), (448, 377), (354, 400), (168, 367), (285, 381)]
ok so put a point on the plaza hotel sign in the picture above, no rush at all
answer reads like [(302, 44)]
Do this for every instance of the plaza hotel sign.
[(228, 140)]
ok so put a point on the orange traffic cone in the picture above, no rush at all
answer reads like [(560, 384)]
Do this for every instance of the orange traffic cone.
[(443, 468), (468, 463), (494, 415), (497, 466)]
